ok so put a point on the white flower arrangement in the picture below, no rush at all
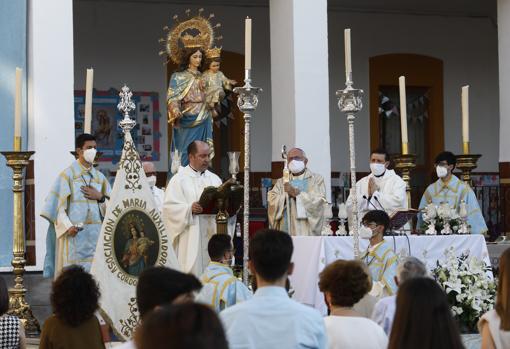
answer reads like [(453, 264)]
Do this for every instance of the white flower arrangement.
[(471, 291), (444, 220)]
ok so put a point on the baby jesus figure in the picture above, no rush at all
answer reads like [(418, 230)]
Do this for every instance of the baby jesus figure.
[(216, 83)]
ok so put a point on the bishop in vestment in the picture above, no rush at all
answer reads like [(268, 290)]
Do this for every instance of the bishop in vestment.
[(448, 188), (189, 229), (305, 194), (75, 208)]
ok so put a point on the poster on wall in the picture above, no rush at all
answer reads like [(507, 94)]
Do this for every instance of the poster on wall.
[(105, 124)]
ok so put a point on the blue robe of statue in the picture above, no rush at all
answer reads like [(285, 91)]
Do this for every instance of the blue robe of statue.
[(454, 192), (66, 193), (186, 94), (382, 264), (221, 289)]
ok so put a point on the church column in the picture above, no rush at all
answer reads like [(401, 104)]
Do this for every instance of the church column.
[(299, 82), (504, 110), (50, 100)]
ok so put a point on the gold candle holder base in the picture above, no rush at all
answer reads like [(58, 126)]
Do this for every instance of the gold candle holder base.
[(18, 306), (467, 163), (404, 165)]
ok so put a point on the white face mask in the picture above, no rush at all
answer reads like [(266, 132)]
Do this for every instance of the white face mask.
[(296, 166), (89, 155), (377, 169), (365, 232), (151, 180), (441, 171)]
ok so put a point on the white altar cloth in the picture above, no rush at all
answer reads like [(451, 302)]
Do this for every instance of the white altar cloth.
[(313, 253)]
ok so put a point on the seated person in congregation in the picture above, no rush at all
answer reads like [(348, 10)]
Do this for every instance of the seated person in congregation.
[(159, 286), (448, 188), (221, 289), (380, 258), (271, 319), (306, 194), (384, 310), (344, 283)]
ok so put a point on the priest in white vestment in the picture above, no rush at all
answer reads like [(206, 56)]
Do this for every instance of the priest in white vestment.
[(150, 173), (305, 194), (382, 189), (189, 229)]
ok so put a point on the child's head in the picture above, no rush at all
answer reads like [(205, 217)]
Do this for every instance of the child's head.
[(214, 64)]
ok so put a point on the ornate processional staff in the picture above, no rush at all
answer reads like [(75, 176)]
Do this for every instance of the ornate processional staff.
[(349, 102), (286, 179), (247, 103)]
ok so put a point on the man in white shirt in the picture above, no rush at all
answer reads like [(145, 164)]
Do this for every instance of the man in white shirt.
[(158, 286), (190, 230), (382, 189), (384, 310), (150, 173), (271, 319)]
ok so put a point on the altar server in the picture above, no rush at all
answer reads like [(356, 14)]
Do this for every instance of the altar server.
[(382, 189), (221, 289), (75, 209), (306, 194), (189, 229), (448, 188), (380, 258)]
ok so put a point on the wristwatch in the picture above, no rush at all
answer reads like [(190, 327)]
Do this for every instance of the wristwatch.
[(103, 199)]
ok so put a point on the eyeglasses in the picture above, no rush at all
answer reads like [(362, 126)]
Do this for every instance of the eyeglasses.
[(148, 174)]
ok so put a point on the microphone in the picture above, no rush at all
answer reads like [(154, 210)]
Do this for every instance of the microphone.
[(376, 199), (370, 202)]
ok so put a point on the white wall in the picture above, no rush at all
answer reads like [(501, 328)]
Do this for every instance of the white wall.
[(120, 40), (468, 48), (50, 101), (504, 81)]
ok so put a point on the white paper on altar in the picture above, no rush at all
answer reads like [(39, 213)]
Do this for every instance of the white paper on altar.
[(313, 253), (120, 257)]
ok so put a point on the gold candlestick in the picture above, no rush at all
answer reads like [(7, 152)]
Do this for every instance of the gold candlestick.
[(18, 306), (404, 164), (467, 163)]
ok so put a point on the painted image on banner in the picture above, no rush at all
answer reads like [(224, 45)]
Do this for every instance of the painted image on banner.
[(136, 242)]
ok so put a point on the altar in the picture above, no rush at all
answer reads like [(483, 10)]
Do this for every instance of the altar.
[(313, 253)]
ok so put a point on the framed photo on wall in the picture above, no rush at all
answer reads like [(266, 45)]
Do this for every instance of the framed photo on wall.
[(105, 124)]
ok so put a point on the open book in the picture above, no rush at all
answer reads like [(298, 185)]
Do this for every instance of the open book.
[(229, 195)]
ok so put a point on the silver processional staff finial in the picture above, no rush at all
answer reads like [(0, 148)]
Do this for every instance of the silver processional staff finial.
[(125, 106)]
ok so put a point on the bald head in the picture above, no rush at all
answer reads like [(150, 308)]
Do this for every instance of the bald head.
[(148, 167), (198, 155), (296, 154)]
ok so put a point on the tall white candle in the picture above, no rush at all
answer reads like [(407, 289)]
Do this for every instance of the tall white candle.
[(347, 50), (247, 43), (87, 127), (403, 111), (17, 104), (465, 114)]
